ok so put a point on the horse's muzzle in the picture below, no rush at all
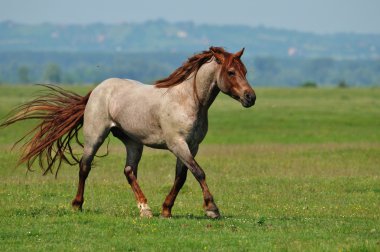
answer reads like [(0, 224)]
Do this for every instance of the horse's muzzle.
[(248, 100)]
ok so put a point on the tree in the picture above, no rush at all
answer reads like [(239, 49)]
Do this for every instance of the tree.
[(52, 73), (23, 74), (342, 84), (309, 84)]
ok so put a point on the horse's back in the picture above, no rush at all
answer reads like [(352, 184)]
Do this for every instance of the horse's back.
[(127, 104), (117, 92)]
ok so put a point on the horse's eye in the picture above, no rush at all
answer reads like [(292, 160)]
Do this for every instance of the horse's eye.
[(231, 73)]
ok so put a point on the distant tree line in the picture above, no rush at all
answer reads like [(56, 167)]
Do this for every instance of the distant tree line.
[(79, 68), (163, 36)]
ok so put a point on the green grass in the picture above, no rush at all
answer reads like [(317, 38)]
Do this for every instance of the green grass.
[(299, 172)]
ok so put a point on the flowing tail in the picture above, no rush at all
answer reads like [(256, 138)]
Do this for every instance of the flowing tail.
[(61, 114)]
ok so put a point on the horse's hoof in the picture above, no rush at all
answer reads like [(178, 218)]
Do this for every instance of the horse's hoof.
[(146, 213), (77, 205), (165, 215), (213, 214)]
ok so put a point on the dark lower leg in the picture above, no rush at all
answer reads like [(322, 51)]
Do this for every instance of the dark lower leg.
[(209, 204), (169, 201), (79, 199), (182, 151)]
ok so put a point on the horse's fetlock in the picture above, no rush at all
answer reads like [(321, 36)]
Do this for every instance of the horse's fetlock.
[(167, 205), (166, 213), (77, 204)]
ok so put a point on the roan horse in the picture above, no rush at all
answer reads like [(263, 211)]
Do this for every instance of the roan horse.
[(172, 115)]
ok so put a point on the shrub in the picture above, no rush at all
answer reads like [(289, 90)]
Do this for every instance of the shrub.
[(342, 84), (309, 84)]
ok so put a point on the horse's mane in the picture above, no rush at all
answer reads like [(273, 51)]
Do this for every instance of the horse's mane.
[(192, 65)]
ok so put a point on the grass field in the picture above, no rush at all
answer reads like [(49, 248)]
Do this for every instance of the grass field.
[(298, 172)]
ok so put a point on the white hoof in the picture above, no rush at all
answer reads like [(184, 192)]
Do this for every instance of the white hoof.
[(213, 214), (145, 210)]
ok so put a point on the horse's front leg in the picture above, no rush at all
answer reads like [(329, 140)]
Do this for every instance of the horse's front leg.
[(182, 151), (180, 178)]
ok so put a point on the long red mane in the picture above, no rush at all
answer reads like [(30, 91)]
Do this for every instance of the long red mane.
[(192, 65)]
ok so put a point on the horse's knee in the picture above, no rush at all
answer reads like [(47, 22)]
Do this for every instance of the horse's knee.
[(197, 171), (199, 174)]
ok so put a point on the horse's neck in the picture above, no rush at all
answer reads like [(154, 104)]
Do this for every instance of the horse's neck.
[(205, 90)]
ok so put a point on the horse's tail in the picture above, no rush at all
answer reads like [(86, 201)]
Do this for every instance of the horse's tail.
[(61, 114)]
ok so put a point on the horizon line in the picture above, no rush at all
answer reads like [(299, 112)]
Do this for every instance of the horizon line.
[(156, 20)]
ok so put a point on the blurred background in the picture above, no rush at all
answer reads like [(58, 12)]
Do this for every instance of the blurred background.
[(288, 43)]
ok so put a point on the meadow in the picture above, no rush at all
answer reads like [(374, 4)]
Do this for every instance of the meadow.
[(300, 171)]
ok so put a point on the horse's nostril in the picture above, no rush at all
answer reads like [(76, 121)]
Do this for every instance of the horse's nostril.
[(248, 96)]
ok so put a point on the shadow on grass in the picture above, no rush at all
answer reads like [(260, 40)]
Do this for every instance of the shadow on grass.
[(68, 211), (192, 217)]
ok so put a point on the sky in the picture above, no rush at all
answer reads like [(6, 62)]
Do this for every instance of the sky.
[(318, 16)]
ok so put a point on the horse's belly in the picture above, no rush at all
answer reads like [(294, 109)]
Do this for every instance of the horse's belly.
[(149, 136), (154, 141)]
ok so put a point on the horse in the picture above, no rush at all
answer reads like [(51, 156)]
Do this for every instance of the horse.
[(172, 114)]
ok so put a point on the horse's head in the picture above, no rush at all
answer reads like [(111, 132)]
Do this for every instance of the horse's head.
[(231, 78)]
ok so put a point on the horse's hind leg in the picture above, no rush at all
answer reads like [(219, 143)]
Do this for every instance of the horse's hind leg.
[(134, 152), (94, 138)]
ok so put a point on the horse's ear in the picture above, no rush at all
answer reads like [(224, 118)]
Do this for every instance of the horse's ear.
[(219, 58), (239, 53)]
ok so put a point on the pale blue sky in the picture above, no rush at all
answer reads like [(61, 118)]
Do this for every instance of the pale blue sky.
[(322, 16)]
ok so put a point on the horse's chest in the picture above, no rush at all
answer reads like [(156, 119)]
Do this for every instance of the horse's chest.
[(184, 124), (198, 130)]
